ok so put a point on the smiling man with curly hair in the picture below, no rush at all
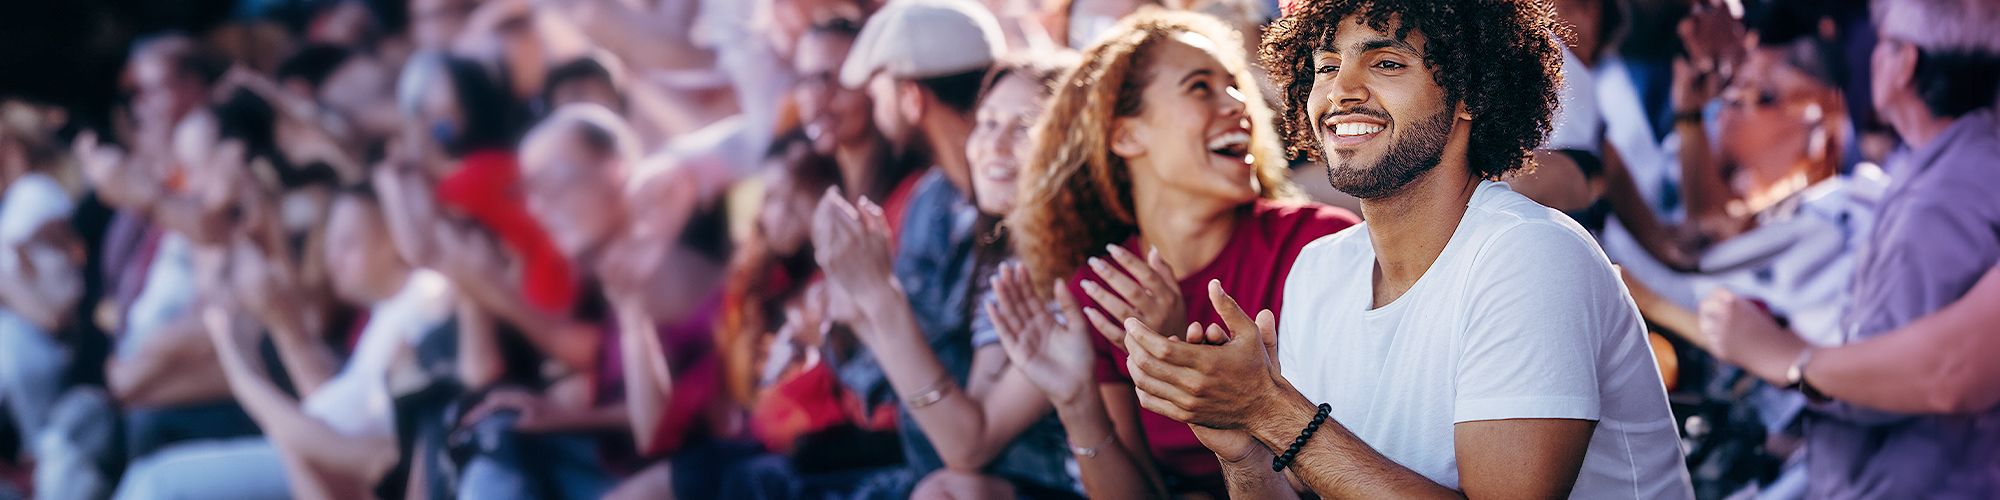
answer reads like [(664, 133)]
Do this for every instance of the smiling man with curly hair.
[(1463, 341)]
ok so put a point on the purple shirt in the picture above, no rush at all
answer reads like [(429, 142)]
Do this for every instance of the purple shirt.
[(1937, 232)]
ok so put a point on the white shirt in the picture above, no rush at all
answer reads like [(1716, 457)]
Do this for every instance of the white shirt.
[(1576, 124), (32, 201), (1521, 316), (356, 402)]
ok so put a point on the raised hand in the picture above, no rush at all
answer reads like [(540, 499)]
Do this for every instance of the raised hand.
[(1231, 445), (1216, 388), (1054, 353), (1145, 290), (851, 245)]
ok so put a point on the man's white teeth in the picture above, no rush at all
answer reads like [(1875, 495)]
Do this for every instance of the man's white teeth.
[(1355, 128)]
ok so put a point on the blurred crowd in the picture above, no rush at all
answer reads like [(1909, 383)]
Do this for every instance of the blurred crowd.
[(884, 248)]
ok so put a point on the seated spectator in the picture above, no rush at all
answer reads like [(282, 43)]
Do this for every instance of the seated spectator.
[(1160, 141), (999, 424), (1933, 72)]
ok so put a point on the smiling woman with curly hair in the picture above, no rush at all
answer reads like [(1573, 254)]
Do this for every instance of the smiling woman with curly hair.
[(1157, 168)]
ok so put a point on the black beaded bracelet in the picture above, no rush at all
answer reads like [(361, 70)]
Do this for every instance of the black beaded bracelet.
[(1285, 460)]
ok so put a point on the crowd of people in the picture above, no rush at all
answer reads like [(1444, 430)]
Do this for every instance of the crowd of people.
[(1014, 249)]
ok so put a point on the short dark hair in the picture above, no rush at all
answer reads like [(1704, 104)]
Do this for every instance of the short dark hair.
[(1497, 57), (188, 57), (581, 68), (958, 92), (1955, 82), (487, 109), (314, 64)]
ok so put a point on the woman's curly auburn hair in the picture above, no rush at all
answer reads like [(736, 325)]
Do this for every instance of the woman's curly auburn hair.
[(1498, 57), (1076, 195)]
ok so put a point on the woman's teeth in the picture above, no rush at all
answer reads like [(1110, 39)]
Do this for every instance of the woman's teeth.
[(1230, 144)]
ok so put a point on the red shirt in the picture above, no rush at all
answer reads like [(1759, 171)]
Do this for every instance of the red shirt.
[(1252, 267)]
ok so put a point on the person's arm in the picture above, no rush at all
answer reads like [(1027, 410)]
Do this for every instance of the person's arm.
[(966, 432), (275, 297), (1100, 419), (1234, 388), (1949, 353), (1938, 364), (479, 361), (658, 38), (358, 458), (1680, 321), (478, 271), (410, 211), (1660, 239), (174, 366), (648, 381)]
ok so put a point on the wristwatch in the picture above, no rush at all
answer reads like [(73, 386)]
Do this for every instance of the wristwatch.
[(1795, 377)]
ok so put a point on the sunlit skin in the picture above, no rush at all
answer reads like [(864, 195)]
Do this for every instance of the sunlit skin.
[(833, 116), (357, 244), (1371, 93), (1767, 128), (998, 141), (571, 193), (1193, 135)]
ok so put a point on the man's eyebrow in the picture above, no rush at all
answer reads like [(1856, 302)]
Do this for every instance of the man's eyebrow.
[(1384, 43), (1373, 44)]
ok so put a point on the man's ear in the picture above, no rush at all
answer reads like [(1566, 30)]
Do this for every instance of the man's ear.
[(1902, 67), (910, 102), (1124, 140), (1459, 111)]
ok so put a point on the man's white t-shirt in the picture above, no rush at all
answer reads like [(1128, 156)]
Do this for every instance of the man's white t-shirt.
[(1521, 316)]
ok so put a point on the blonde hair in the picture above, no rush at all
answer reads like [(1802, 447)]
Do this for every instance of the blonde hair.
[(1077, 196)]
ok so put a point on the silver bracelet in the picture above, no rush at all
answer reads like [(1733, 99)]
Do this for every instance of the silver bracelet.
[(1091, 452), (931, 394)]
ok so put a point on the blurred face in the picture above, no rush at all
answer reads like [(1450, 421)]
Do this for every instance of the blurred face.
[(998, 141), (437, 121), (1192, 134), (1585, 16), (1771, 113), (213, 169), (886, 94), (833, 115), (786, 217), (434, 23), (357, 244), (1381, 118), (1890, 66), (360, 83), (161, 96), (570, 192)]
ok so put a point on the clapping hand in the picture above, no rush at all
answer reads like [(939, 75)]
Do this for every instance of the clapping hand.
[(1054, 353), (1145, 290)]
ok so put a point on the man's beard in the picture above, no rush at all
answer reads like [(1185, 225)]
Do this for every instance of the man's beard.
[(1419, 149)]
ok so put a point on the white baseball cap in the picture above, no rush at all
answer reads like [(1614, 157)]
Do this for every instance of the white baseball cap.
[(917, 39)]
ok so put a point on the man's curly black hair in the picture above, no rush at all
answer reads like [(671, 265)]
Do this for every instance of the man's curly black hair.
[(1496, 56)]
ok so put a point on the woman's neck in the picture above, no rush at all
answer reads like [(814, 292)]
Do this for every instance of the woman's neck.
[(861, 169), (1189, 229)]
